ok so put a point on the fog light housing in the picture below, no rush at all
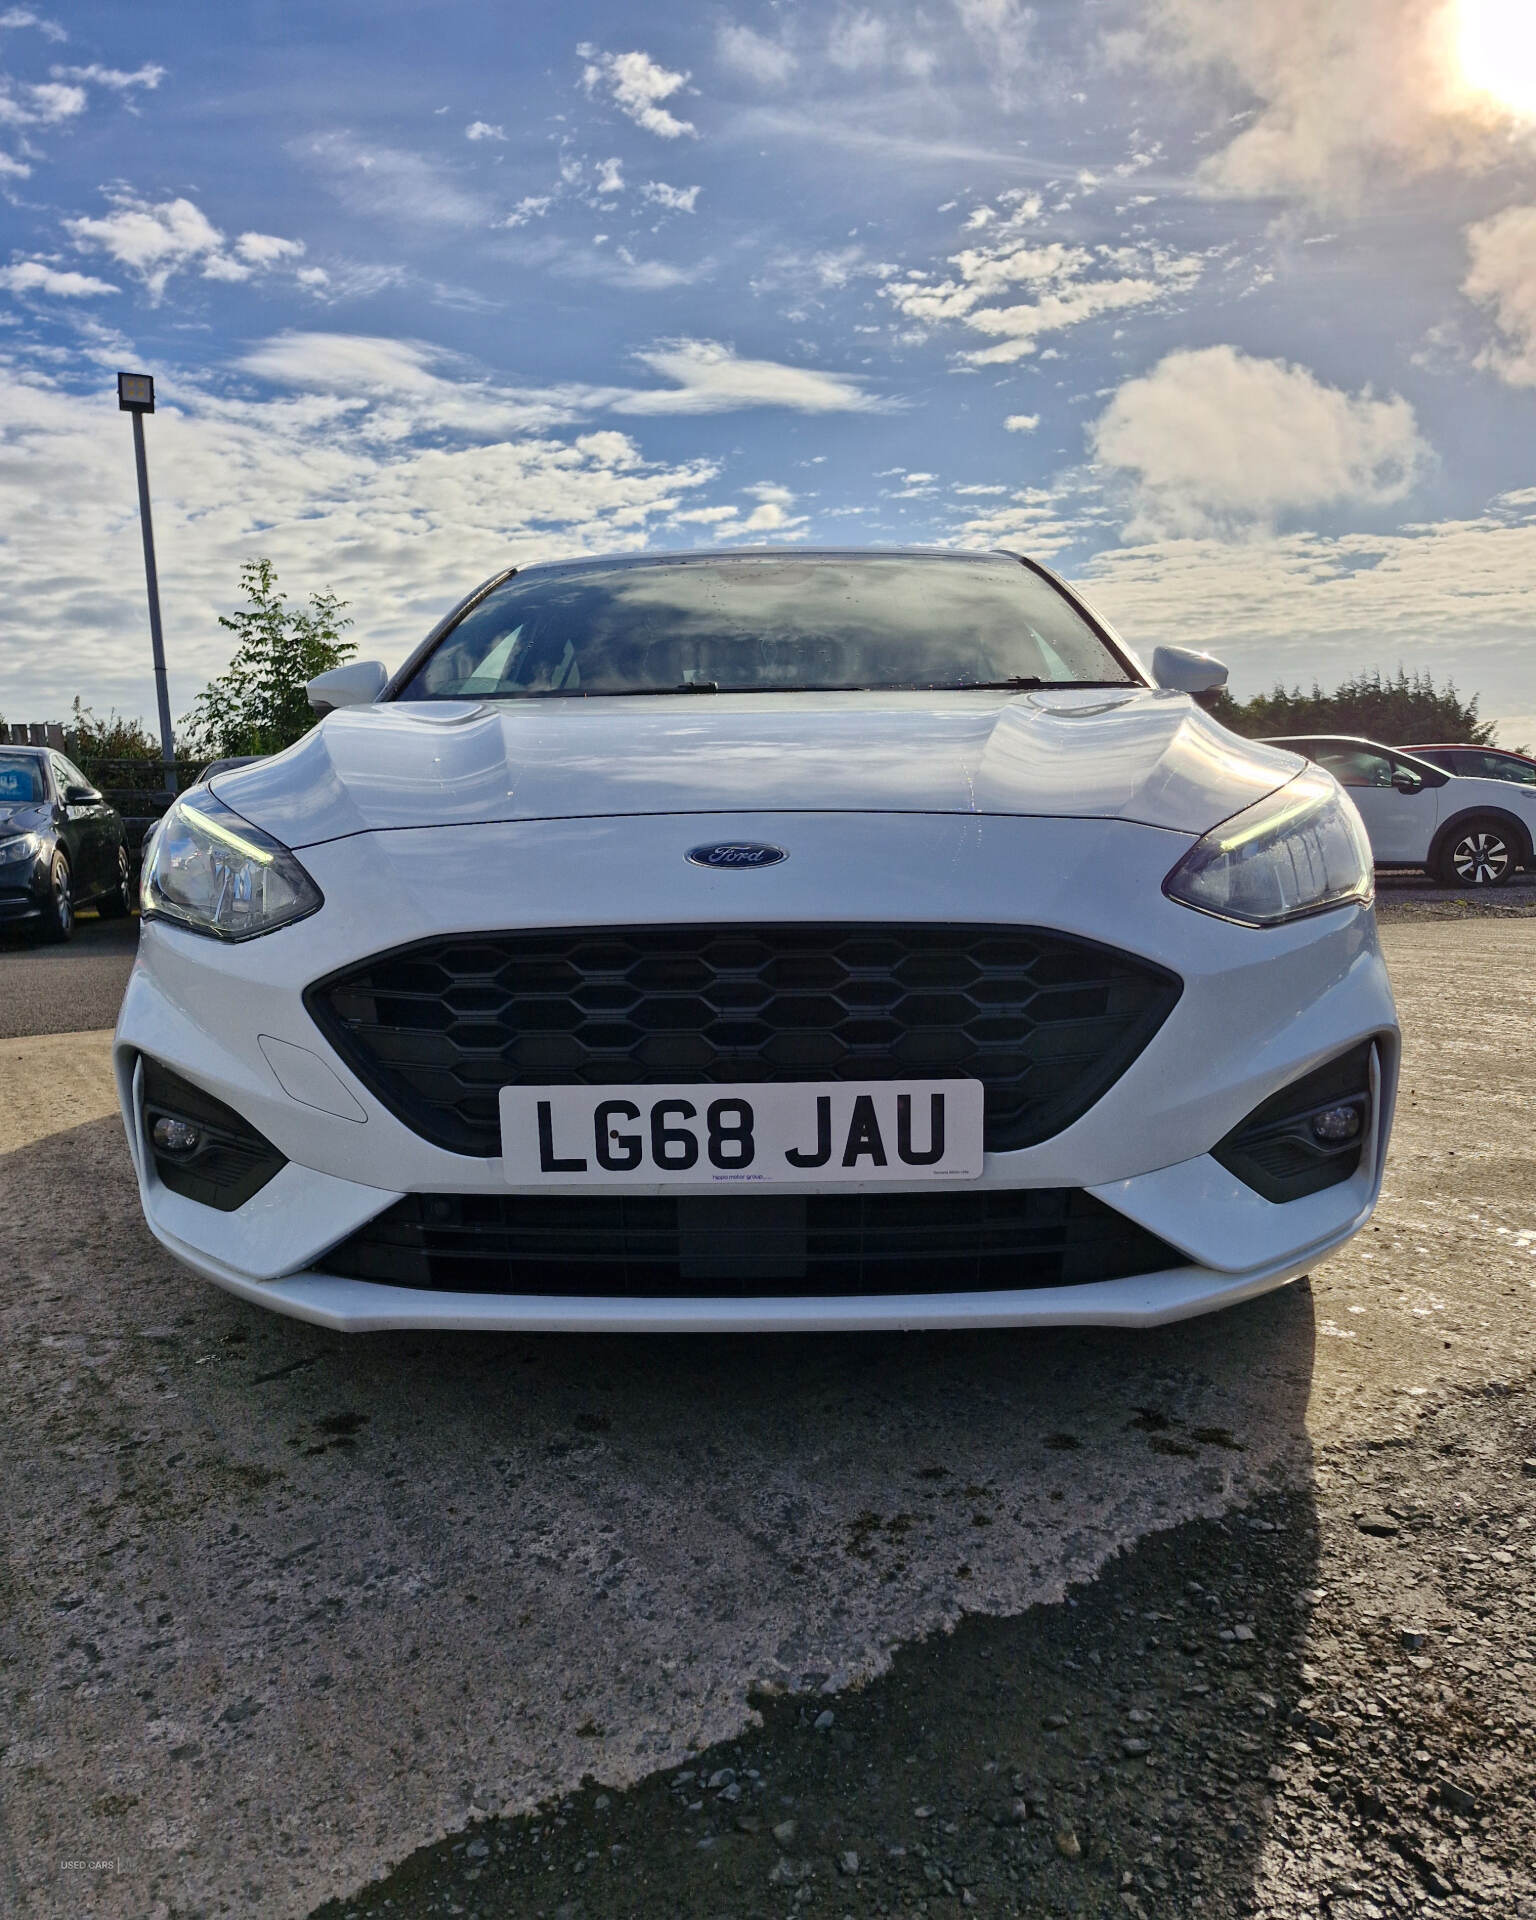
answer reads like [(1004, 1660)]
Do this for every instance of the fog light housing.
[(172, 1134), (1335, 1124)]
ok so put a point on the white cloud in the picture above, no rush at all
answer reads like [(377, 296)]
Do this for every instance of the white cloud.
[(45, 105), (393, 184), (398, 528), (1453, 597), (532, 206), (148, 76), (15, 18), (769, 62), (35, 276), (1213, 441), (705, 516), (857, 40), (711, 379), (266, 249), (610, 177), (1066, 285), (483, 130), (637, 85), (13, 169), (155, 240), (674, 199), (427, 390), (1022, 422), (1000, 30), (152, 241), (1502, 277), (1349, 92)]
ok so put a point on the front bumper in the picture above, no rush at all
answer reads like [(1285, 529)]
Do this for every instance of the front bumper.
[(1259, 1009)]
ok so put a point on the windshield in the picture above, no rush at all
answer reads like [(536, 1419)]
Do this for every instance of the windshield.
[(768, 624), (21, 780)]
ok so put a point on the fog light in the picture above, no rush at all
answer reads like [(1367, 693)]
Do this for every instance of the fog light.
[(1336, 1123), (175, 1136)]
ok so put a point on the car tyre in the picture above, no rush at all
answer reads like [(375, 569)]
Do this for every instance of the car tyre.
[(117, 904), (59, 912), (1479, 853)]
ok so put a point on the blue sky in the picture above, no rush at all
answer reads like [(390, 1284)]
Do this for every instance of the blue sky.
[(1227, 311)]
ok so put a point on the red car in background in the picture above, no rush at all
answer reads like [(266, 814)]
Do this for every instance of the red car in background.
[(1480, 763)]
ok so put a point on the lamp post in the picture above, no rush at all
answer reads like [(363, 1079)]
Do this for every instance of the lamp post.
[(136, 395)]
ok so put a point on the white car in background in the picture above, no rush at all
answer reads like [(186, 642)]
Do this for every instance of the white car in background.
[(1464, 832), (760, 940)]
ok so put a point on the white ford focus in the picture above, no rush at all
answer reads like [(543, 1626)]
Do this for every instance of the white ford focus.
[(769, 940)]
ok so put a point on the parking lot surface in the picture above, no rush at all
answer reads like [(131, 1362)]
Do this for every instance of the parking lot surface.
[(66, 989), (285, 1610)]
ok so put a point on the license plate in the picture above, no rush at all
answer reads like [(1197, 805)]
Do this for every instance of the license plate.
[(801, 1133)]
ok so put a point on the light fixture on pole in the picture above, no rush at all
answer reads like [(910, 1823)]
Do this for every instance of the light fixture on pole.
[(136, 395)]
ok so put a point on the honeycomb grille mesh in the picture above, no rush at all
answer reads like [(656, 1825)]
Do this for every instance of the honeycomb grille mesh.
[(1046, 1022)]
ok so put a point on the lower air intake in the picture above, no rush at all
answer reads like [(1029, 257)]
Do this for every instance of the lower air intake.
[(748, 1245)]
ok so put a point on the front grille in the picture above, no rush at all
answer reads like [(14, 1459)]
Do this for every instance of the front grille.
[(748, 1245), (1046, 1022)]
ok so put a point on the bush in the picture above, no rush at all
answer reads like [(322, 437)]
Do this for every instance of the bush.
[(258, 705), (1397, 711)]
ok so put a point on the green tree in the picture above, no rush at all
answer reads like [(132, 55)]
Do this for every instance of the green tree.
[(1397, 710), (257, 705)]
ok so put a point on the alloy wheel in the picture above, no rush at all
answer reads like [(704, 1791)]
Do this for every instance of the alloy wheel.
[(63, 899), (1480, 859)]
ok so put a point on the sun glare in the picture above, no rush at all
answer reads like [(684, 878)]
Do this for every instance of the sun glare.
[(1498, 51)]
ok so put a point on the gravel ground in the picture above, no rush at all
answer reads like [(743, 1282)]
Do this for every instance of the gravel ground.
[(1316, 1706), (279, 1610)]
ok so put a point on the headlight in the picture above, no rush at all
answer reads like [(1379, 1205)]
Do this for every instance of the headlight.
[(21, 846), (215, 873), (1301, 850)]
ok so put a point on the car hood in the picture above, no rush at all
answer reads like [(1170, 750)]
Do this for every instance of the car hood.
[(22, 816), (1140, 755)]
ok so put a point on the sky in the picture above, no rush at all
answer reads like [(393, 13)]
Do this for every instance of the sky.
[(1226, 309)]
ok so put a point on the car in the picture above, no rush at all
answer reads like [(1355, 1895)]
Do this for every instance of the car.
[(61, 845), (1462, 831), (1479, 763), (764, 939)]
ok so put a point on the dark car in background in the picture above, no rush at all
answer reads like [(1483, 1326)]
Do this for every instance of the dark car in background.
[(1479, 763), (61, 845)]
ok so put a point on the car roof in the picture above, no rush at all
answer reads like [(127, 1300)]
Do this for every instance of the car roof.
[(1469, 746), (37, 753), (610, 561)]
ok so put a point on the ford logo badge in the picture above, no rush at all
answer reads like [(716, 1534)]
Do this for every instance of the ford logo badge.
[(736, 853)]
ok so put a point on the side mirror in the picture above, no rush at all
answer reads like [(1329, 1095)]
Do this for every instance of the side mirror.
[(1406, 782), (358, 684), (1180, 670), (77, 796)]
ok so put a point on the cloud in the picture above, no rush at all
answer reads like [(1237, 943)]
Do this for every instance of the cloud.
[(155, 240), (13, 169), (398, 528), (709, 378), (14, 18), (1502, 276), (532, 206), (1310, 605), (45, 105), (1349, 93), (266, 249), (610, 177), (1021, 422), (1212, 441), (483, 130), (1066, 284), (769, 62), (1000, 31), (420, 388), (674, 199), (390, 183), (856, 41), (637, 85), (148, 76), (35, 276)]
